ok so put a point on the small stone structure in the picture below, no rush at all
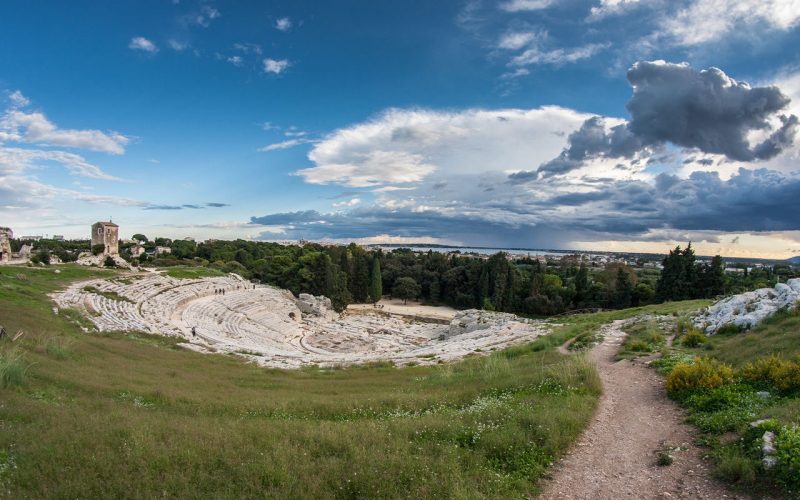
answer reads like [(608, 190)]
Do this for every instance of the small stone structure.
[(6, 235), (748, 309), (106, 234)]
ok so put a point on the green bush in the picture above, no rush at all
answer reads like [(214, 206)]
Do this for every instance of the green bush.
[(787, 446), (639, 346), (693, 338), (729, 329), (704, 373), (724, 408)]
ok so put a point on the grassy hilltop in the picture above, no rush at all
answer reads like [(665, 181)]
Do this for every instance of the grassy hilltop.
[(133, 415)]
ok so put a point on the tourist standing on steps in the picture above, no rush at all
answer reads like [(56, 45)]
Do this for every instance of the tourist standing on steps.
[(194, 332)]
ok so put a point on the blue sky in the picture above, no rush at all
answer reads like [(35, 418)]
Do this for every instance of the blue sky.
[(507, 123)]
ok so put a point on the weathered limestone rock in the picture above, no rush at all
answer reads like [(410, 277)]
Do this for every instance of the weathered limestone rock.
[(768, 450), (318, 306), (747, 310), (471, 320)]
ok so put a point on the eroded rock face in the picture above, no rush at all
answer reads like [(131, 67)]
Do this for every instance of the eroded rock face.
[(87, 259), (471, 320), (318, 306), (748, 309)]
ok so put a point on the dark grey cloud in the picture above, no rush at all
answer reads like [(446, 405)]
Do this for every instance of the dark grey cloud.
[(673, 103), (751, 200), (187, 206), (706, 110)]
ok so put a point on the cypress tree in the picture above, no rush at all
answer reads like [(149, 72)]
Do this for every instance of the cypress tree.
[(483, 287), (376, 281)]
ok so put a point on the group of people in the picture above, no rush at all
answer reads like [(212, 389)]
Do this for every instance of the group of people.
[(219, 291)]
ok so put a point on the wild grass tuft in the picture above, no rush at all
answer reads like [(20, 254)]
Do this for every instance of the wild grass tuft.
[(13, 368)]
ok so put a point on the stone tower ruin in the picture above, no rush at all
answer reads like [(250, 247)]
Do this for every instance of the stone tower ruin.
[(106, 234), (6, 235)]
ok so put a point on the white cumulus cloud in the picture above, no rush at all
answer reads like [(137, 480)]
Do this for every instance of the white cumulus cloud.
[(143, 44), (710, 20), (407, 146), (283, 24), (36, 128), (275, 66)]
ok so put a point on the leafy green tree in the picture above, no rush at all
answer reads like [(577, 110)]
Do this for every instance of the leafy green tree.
[(406, 288), (581, 285), (98, 249), (376, 281), (109, 262), (139, 237)]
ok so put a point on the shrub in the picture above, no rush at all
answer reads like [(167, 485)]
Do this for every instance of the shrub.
[(109, 262), (704, 373), (787, 446), (774, 371), (728, 329), (639, 346), (693, 339), (682, 326)]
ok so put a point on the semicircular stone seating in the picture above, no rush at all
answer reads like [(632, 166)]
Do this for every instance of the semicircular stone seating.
[(265, 324)]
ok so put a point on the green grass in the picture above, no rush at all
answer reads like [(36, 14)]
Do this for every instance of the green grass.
[(107, 294), (779, 335), (132, 414), (643, 338), (185, 272), (116, 415)]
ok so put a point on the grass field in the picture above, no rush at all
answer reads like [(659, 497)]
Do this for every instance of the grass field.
[(132, 415)]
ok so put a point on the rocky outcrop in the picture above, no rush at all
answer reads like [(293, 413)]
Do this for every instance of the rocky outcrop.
[(317, 306), (747, 310), (471, 320), (87, 259)]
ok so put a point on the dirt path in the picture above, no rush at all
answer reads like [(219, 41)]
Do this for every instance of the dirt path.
[(616, 456)]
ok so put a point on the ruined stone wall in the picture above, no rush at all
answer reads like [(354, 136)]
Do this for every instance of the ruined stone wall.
[(6, 235)]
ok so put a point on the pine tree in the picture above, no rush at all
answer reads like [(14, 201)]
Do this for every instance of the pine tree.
[(716, 277), (376, 281), (624, 290)]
